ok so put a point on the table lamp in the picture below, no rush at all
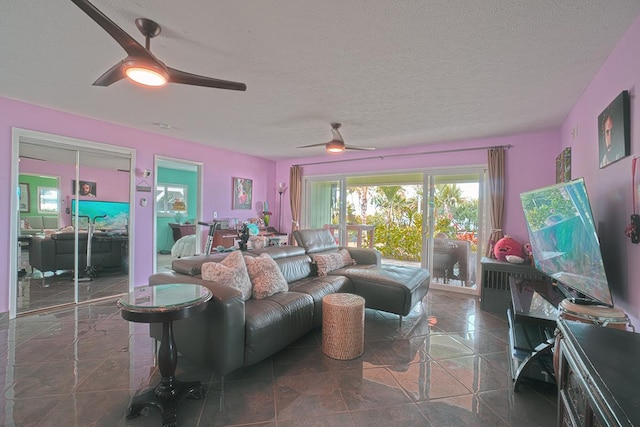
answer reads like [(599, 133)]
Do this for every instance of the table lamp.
[(179, 207)]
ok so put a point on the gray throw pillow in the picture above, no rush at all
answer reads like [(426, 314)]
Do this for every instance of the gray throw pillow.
[(265, 276), (231, 271)]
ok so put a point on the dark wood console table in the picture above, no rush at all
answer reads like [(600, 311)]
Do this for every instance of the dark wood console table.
[(228, 237), (598, 376), (181, 230), (224, 237)]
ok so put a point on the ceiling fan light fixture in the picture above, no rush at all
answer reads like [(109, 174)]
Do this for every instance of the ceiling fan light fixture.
[(146, 73), (335, 147)]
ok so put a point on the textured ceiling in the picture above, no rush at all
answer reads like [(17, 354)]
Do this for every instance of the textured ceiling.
[(395, 73)]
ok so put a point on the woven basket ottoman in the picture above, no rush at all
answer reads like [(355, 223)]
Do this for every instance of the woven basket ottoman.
[(343, 326)]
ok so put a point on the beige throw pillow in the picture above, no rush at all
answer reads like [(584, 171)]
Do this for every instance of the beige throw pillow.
[(332, 261), (231, 271), (265, 276)]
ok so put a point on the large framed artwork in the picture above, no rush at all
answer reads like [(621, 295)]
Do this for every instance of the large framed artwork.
[(614, 133), (25, 198), (242, 193)]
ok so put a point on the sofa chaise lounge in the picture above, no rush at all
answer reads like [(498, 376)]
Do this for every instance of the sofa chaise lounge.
[(233, 333)]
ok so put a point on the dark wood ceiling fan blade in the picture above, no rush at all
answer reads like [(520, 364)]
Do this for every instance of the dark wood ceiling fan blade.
[(177, 76), (349, 147), (137, 52), (111, 76), (128, 43), (322, 144)]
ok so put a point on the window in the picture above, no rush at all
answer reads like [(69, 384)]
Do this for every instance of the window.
[(167, 195), (47, 200)]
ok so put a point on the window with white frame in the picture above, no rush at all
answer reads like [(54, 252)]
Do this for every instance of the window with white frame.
[(47, 200), (167, 195)]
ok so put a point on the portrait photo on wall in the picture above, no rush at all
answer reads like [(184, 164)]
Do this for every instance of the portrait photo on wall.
[(86, 188), (614, 130), (242, 193)]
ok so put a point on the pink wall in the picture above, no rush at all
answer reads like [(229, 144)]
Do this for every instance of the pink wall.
[(530, 164), (610, 188), (219, 167)]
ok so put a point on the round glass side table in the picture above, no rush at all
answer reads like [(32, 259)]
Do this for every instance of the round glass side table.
[(164, 304)]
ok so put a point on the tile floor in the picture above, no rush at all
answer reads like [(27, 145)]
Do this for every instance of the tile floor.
[(447, 365), (37, 290)]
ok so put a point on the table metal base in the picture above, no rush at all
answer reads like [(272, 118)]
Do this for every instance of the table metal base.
[(166, 396), (542, 349)]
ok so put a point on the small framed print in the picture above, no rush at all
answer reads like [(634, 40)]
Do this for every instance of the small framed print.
[(242, 193)]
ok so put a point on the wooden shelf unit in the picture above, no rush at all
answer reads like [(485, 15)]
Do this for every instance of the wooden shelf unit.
[(181, 230)]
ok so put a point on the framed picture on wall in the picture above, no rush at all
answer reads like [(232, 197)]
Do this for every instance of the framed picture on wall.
[(86, 188), (25, 198), (242, 193), (614, 133), (563, 166)]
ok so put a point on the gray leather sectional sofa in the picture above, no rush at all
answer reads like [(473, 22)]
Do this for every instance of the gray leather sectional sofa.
[(57, 251), (232, 333)]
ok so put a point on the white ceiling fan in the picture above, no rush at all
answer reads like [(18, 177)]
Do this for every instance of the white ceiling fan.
[(337, 145)]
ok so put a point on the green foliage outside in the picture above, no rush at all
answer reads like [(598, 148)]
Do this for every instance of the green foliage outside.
[(398, 217), (402, 242), (542, 208)]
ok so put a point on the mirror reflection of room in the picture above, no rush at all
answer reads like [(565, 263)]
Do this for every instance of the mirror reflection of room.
[(55, 207)]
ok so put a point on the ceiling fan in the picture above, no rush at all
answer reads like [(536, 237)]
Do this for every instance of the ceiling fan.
[(141, 65), (337, 145)]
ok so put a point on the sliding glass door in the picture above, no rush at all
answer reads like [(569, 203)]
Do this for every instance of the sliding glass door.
[(438, 229), (324, 207), (453, 233), (385, 212)]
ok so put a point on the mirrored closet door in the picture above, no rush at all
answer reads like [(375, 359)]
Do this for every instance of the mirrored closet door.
[(74, 217)]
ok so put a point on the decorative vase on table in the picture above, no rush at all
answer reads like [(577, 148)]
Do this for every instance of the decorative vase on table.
[(266, 218), (179, 207)]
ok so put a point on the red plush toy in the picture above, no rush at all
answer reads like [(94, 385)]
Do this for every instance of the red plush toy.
[(508, 249)]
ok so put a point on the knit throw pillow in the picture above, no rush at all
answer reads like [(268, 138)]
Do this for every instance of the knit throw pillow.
[(265, 276), (326, 263), (231, 271)]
